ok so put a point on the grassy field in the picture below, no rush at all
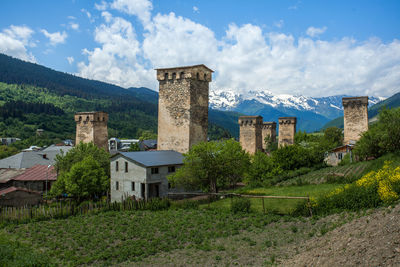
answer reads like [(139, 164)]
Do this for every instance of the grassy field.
[(280, 206), (171, 237)]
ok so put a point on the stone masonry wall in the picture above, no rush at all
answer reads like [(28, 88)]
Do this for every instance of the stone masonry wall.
[(287, 130), (92, 127), (268, 129), (182, 107), (355, 111), (251, 133)]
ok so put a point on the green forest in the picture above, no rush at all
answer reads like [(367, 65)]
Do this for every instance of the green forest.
[(35, 97)]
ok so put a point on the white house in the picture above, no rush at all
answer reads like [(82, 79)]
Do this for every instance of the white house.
[(142, 174)]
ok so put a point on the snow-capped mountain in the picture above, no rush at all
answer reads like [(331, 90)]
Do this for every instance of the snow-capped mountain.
[(312, 112)]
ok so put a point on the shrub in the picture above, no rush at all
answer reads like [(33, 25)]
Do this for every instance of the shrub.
[(158, 204), (241, 205), (371, 190), (187, 204)]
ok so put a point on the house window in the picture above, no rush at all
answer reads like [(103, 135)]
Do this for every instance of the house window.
[(126, 166), (154, 170), (171, 168), (169, 186), (116, 166), (340, 156), (133, 186), (116, 185)]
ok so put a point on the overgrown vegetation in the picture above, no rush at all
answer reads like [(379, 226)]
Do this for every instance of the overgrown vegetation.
[(83, 173)]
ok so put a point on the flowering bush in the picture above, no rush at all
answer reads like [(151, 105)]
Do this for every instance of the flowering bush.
[(371, 190)]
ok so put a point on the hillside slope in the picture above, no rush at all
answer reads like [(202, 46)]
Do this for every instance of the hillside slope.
[(131, 110), (372, 240)]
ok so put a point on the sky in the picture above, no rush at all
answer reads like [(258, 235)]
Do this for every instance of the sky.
[(298, 47)]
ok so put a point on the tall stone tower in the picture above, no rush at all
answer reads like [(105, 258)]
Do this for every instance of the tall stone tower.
[(355, 118), (251, 133), (92, 127), (268, 129), (287, 130), (182, 107)]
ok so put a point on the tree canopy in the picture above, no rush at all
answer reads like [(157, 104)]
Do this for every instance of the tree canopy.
[(82, 173), (212, 165)]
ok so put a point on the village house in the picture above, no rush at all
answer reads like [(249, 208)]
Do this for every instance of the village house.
[(142, 174), (335, 156), (20, 187)]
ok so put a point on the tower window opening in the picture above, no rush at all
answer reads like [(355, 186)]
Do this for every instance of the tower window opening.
[(197, 76), (182, 75), (173, 76), (166, 75)]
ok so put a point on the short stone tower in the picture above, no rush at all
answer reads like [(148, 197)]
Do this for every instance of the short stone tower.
[(92, 127), (268, 129), (182, 107), (287, 130), (355, 118), (251, 133)]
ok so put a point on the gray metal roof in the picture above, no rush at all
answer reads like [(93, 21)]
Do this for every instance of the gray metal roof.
[(154, 158), (27, 159)]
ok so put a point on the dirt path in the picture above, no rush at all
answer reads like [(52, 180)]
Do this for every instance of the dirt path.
[(372, 240)]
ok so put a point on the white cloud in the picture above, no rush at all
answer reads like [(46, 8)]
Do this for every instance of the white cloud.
[(313, 31), (70, 60), (15, 40), (116, 61), (175, 40), (196, 9), (140, 8), (245, 58), (56, 37), (74, 26), (102, 6), (71, 17)]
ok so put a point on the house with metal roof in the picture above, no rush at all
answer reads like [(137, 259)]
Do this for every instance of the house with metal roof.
[(27, 159), (142, 174)]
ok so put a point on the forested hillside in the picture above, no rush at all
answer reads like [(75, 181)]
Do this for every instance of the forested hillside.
[(33, 96)]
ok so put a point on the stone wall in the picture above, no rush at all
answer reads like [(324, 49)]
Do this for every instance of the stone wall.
[(355, 111), (182, 107), (251, 133), (92, 127), (268, 129), (287, 130)]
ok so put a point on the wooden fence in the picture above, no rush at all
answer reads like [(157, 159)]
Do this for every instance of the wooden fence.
[(185, 194), (63, 209)]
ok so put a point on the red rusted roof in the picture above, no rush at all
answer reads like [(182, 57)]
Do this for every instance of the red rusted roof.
[(13, 189), (38, 173)]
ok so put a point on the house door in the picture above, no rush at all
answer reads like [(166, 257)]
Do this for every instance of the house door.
[(157, 190), (143, 191)]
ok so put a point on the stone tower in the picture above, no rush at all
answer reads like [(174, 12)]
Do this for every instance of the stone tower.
[(251, 133), (182, 107), (92, 127), (268, 129), (355, 118), (287, 130)]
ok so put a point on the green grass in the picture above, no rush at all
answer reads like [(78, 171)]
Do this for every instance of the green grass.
[(113, 237), (281, 206)]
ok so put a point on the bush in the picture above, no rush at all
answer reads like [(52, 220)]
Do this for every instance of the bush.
[(372, 190), (241, 205), (187, 205), (158, 204)]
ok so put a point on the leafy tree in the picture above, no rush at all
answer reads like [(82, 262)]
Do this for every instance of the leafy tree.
[(85, 180), (134, 147), (332, 138), (382, 137), (261, 169), (6, 151), (147, 135), (83, 172), (212, 165)]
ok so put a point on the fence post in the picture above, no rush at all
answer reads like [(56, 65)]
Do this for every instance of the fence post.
[(309, 205), (263, 205)]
